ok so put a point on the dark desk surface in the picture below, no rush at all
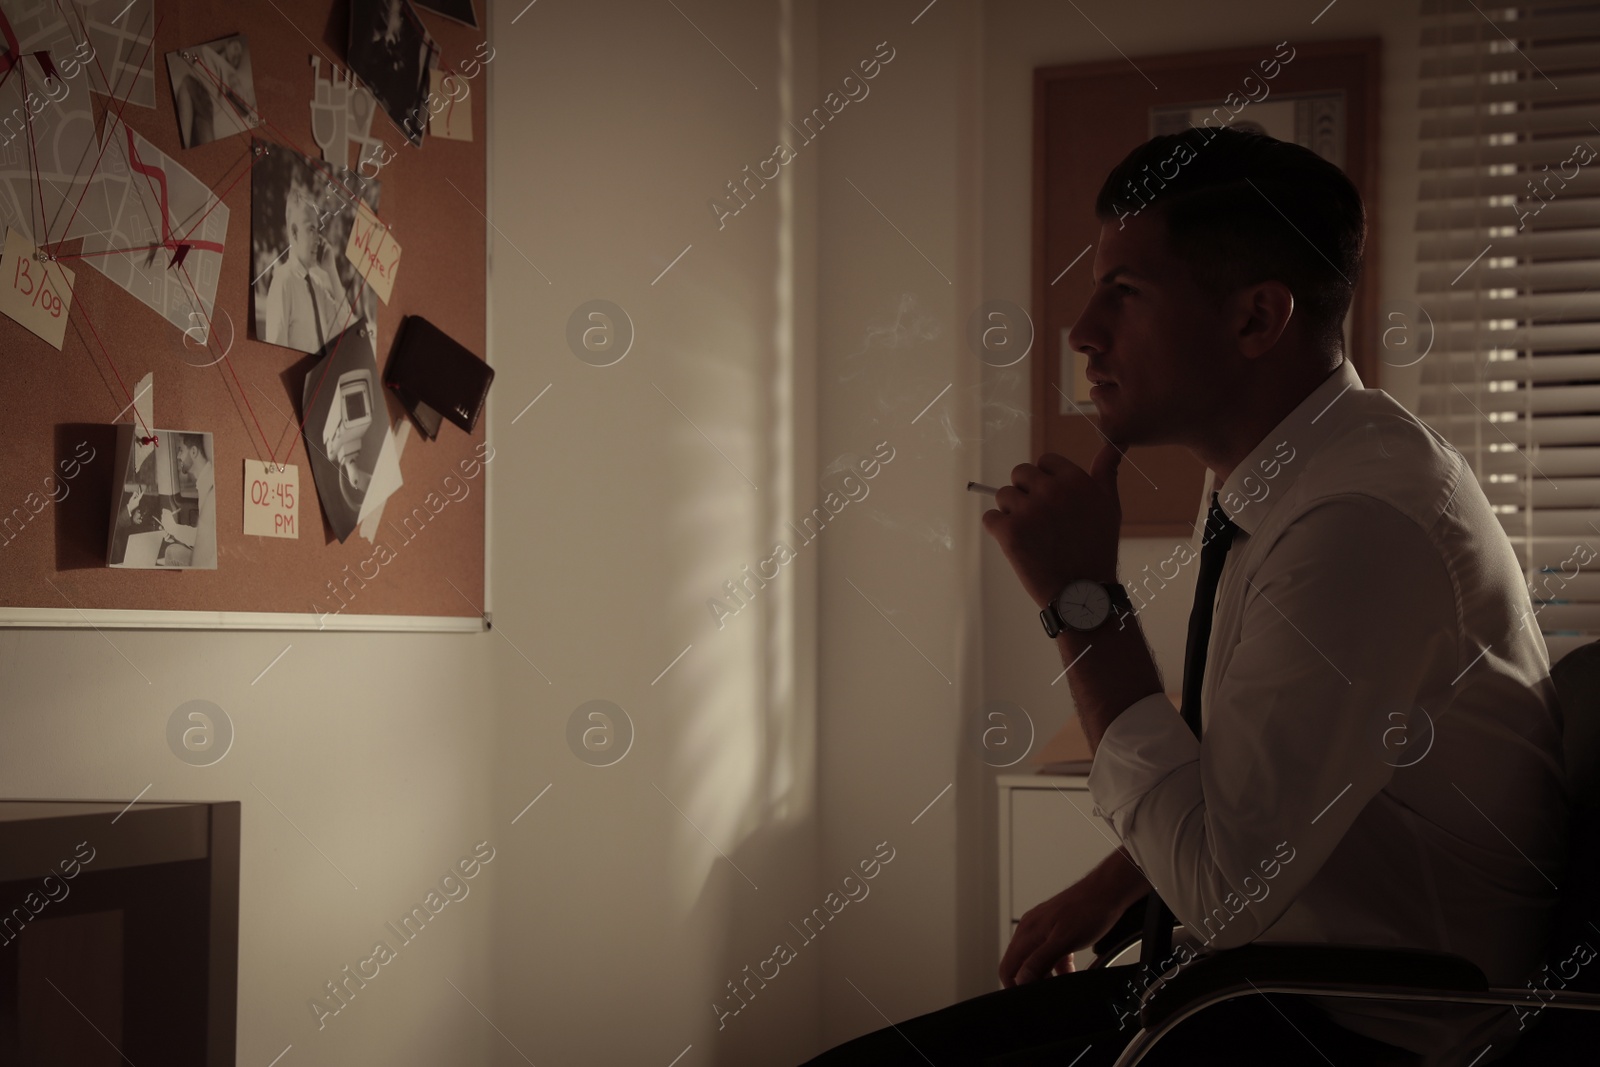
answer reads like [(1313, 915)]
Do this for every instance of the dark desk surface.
[(170, 870), (49, 809), (37, 835)]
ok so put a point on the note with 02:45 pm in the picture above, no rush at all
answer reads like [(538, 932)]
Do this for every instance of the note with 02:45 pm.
[(271, 499)]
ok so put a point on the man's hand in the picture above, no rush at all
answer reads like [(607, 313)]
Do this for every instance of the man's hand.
[(1058, 522), (1074, 918)]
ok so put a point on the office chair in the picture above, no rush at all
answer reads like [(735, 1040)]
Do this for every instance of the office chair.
[(1562, 1021)]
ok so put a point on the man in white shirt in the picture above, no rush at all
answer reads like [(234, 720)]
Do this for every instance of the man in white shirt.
[(304, 307), (1380, 752)]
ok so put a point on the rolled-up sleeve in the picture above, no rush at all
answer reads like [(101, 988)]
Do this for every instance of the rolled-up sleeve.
[(1140, 748), (1349, 617)]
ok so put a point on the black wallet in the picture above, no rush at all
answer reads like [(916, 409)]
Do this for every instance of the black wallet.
[(435, 377)]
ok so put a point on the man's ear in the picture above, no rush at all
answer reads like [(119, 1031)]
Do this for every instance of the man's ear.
[(1263, 313)]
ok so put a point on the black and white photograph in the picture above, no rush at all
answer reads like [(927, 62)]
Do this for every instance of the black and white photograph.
[(305, 290), (165, 501), (460, 10), (392, 52), (346, 427), (213, 93)]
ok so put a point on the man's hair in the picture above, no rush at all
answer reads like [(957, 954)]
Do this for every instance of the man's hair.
[(1242, 208), (298, 207)]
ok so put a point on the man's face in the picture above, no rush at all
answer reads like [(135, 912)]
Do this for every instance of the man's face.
[(303, 236), (186, 458), (1150, 329)]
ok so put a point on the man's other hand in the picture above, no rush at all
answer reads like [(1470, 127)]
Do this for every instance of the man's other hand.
[(1074, 918)]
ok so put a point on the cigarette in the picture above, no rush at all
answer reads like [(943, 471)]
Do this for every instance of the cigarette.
[(979, 487)]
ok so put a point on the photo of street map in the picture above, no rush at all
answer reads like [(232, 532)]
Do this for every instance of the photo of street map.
[(58, 127), (121, 34), (146, 201)]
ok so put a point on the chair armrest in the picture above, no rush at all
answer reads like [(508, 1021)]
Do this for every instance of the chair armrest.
[(1243, 969), (1127, 929)]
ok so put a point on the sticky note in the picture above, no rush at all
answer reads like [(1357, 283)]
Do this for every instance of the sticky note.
[(374, 251), (450, 107), (36, 293), (271, 499)]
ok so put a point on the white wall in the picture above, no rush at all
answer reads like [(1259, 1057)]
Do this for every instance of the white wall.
[(373, 747), (900, 642), (620, 906), (625, 498)]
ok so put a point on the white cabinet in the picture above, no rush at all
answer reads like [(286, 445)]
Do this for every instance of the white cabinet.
[(1049, 838)]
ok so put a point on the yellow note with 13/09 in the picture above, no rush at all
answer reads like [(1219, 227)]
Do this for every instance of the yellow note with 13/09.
[(35, 293)]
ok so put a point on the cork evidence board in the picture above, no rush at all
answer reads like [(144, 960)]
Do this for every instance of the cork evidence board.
[(162, 166)]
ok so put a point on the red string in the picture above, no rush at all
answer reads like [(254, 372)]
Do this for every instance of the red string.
[(27, 117), (290, 141), (150, 437), (210, 330), (123, 106), (160, 176), (105, 252), (174, 242), (219, 198), (350, 308), (13, 47), (167, 241), (132, 157), (136, 164)]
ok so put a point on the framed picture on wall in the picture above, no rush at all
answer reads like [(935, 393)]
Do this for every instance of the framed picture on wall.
[(1311, 120)]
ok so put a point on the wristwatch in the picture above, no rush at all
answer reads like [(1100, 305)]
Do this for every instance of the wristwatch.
[(1084, 604)]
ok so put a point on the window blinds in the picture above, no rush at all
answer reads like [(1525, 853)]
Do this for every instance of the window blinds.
[(1508, 248)]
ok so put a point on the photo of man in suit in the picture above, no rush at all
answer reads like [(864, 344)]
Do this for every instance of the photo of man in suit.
[(305, 291), (196, 545), (304, 306)]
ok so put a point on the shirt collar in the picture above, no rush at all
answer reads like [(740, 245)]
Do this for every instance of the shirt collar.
[(1263, 477)]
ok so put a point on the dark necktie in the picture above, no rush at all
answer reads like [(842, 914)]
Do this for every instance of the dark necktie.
[(1218, 537), (316, 316)]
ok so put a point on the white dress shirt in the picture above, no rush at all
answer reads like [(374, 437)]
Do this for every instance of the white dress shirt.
[(292, 319), (1369, 577)]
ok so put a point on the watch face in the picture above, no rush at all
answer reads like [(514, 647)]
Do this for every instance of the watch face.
[(1084, 604)]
